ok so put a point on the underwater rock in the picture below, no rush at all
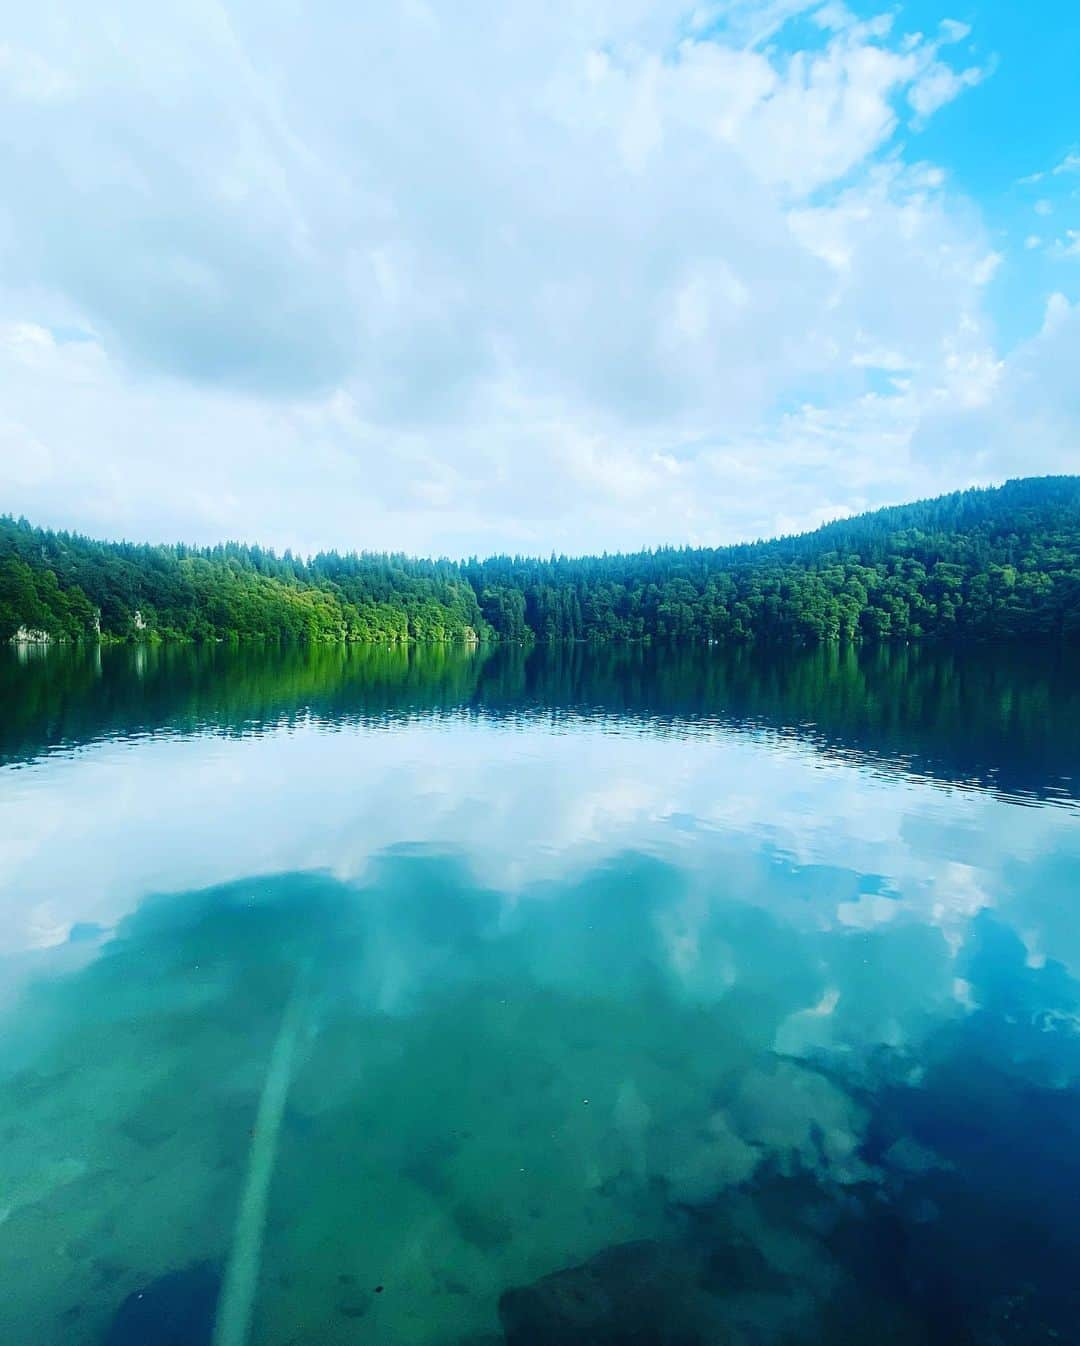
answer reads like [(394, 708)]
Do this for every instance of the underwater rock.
[(481, 1226), (177, 1309), (739, 1268), (635, 1294)]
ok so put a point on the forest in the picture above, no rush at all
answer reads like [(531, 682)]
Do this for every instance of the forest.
[(998, 563)]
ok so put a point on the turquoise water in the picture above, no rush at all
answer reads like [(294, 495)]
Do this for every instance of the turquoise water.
[(465, 998)]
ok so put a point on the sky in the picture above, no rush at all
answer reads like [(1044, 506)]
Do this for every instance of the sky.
[(453, 278)]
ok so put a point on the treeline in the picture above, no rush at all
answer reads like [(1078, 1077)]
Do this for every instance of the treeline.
[(1000, 564), (71, 587)]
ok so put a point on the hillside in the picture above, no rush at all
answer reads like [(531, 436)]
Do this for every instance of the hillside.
[(995, 564)]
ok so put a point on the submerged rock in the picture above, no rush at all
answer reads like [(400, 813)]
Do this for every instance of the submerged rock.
[(177, 1309), (481, 1226), (635, 1294)]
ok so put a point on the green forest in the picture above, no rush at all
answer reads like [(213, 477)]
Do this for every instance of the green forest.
[(987, 564)]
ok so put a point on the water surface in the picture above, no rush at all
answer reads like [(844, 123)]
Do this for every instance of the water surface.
[(468, 997)]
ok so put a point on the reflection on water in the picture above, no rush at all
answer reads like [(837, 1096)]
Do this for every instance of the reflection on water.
[(1006, 719), (580, 997)]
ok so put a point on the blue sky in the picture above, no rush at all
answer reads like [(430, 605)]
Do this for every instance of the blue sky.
[(591, 274), (1009, 128)]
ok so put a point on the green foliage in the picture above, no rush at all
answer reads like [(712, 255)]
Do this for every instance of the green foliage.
[(985, 564), (65, 585), (1000, 564)]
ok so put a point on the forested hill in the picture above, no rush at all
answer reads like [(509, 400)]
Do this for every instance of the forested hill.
[(975, 565)]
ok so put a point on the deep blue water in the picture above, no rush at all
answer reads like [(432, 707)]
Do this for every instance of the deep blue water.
[(470, 997)]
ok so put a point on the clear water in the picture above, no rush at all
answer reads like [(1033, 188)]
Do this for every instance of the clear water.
[(347, 996)]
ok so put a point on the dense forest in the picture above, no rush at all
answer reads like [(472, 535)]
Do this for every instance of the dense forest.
[(1000, 563)]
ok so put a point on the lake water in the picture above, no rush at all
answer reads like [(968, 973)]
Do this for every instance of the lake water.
[(453, 998)]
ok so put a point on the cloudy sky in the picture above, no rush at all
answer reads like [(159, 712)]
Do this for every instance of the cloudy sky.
[(570, 274)]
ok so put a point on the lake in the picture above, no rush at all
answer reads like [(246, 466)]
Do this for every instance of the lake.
[(451, 997)]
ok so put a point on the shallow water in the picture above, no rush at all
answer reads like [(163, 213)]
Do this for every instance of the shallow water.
[(737, 993)]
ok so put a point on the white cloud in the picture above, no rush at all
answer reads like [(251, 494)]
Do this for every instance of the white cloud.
[(1069, 246), (580, 275), (1028, 417), (1069, 164), (25, 75), (940, 84)]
